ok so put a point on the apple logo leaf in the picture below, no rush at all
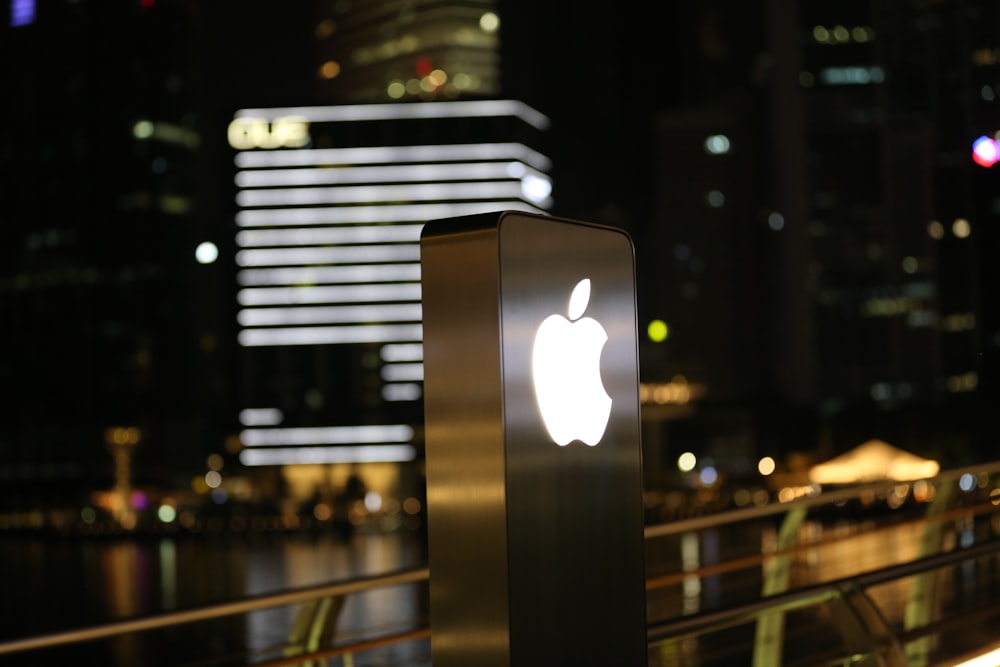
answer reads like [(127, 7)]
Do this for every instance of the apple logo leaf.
[(579, 299)]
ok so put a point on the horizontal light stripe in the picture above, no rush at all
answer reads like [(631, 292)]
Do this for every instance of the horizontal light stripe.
[(286, 296), (451, 171), (360, 254), (325, 455), (378, 333), (370, 194), (261, 416), (401, 392), (407, 110), (394, 155), (332, 215), (258, 317), (313, 275), (403, 372), (988, 659), (402, 352), (300, 236), (326, 435)]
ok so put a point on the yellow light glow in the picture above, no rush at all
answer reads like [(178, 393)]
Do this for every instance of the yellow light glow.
[(936, 230), (658, 331), (325, 28), (961, 228), (330, 69), (213, 479), (438, 77), (766, 466), (396, 89), (686, 462), (247, 132), (489, 22), (143, 129)]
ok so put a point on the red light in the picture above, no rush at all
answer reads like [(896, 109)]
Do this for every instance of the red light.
[(147, 3), (985, 152), (424, 66)]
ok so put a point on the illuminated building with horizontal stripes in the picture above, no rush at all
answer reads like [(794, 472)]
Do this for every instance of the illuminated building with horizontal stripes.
[(330, 203)]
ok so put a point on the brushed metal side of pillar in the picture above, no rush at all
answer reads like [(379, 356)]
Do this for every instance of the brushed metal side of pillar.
[(465, 459)]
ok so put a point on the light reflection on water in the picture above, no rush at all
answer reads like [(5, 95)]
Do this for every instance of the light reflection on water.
[(50, 585)]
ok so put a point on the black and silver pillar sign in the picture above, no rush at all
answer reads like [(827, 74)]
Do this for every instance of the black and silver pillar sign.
[(534, 479)]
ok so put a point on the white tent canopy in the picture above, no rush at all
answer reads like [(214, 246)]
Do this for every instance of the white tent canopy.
[(873, 461)]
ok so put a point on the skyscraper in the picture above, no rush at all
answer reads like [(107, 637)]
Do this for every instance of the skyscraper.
[(854, 213), (105, 180)]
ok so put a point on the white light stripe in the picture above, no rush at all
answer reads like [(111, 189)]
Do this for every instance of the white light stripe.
[(314, 275), (402, 352), (452, 171), (323, 455), (326, 435), (299, 236), (401, 392), (989, 659), (376, 333), (287, 296), (261, 416), (360, 254), (369, 194), (282, 217), (392, 155), (403, 372), (257, 317), (356, 112)]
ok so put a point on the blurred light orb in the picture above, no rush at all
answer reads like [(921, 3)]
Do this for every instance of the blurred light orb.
[(776, 221), (166, 513), (396, 89), (373, 501), (766, 466), (717, 144), (489, 22), (143, 129), (966, 482), (657, 331), (961, 228), (213, 479), (708, 476), (985, 152), (536, 189), (935, 229), (686, 462), (329, 70), (206, 252)]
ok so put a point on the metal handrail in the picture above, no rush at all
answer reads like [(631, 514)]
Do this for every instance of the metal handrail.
[(419, 575), (807, 595), (243, 606), (825, 498)]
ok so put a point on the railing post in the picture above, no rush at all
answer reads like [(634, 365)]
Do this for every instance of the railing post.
[(771, 626), (314, 627)]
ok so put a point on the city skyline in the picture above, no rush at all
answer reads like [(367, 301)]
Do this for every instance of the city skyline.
[(698, 137)]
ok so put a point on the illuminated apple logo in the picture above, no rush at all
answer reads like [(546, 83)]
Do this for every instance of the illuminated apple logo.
[(566, 369)]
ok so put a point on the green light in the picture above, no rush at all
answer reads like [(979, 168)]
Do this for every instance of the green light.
[(658, 331)]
